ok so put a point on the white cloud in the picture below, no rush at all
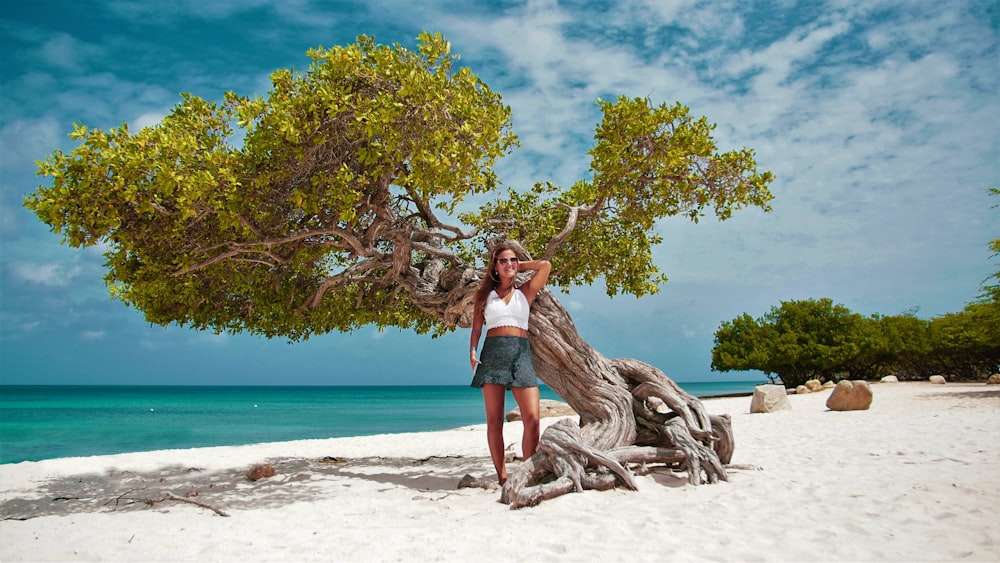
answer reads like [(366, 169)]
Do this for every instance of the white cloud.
[(148, 119), (205, 338), (10, 222), (24, 141), (301, 12), (873, 169), (67, 53), (90, 335), (53, 274)]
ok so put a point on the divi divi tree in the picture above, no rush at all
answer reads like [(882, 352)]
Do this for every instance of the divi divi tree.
[(341, 208)]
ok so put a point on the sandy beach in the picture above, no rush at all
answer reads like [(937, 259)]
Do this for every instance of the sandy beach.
[(911, 479)]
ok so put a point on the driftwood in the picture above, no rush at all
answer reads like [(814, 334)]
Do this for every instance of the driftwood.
[(164, 496)]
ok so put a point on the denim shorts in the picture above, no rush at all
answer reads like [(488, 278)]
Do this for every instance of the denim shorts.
[(505, 360)]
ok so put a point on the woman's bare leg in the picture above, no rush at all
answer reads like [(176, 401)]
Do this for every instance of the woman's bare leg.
[(528, 401), (493, 399)]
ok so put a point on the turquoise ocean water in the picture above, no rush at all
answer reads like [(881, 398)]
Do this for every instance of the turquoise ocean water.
[(45, 422)]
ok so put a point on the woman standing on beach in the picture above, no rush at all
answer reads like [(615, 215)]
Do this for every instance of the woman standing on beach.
[(506, 359)]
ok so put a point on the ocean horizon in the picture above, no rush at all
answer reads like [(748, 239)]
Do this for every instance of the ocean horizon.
[(40, 422)]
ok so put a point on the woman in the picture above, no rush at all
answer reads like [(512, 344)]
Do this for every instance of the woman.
[(506, 359)]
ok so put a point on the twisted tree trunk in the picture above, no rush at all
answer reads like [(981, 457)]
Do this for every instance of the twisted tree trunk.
[(630, 412)]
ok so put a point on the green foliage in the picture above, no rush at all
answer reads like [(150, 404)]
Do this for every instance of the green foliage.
[(648, 163), (802, 340), (966, 344), (206, 234), (991, 286), (797, 341), (903, 347), (743, 344), (326, 217)]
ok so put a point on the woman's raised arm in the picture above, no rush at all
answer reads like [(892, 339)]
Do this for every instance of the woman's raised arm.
[(537, 281)]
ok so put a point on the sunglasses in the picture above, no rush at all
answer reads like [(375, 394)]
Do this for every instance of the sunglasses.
[(502, 261)]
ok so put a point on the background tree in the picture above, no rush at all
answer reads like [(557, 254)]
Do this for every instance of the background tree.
[(907, 346), (796, 340), (745, 344), (802, 340), (340, 209), (870, 355), (966, 344)]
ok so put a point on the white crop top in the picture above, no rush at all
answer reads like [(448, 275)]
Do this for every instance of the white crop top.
[(498, 313)]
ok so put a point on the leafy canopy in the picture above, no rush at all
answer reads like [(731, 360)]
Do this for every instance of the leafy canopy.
[(797, 340), (802, 340), (338, 209), (647, 163)]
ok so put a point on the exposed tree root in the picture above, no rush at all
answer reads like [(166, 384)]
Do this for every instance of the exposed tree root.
[(672, 428), (669, 417), (722, 437), (562, 454)]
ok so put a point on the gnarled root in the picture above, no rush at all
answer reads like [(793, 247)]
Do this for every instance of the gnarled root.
[(648, 454), (722, 437), (563, 456), (658, 401), (671, 427), (669, 417), (699, 457)]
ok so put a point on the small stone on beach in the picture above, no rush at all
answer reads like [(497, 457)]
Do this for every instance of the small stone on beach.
[(259, 472)]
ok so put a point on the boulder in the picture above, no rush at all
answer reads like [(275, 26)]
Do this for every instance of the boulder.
[(769, 398), (938, 379), (890, 379), (994, 379), (547, 408), (850, 396), (814, 385), (802, 390), (829, 385), (259, 472)]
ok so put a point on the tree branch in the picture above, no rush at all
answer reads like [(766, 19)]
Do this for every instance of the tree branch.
[(575, 212), (238, 248), (357, 272), (231, 254)]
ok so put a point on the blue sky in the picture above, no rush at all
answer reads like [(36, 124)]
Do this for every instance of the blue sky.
[(881, 121)]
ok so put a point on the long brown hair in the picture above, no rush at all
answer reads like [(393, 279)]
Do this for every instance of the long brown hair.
[(492, 279)]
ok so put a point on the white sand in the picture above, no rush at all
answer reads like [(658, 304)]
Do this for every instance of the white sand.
[(912, 479)]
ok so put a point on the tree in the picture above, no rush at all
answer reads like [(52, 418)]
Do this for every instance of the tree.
[(338, 211), (797, 340), (966, 344), (871, 353), (744, 344), (907, 346), (801, 340)]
